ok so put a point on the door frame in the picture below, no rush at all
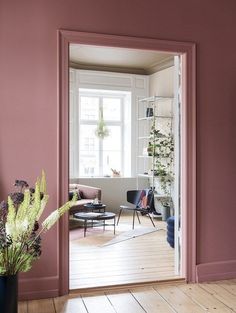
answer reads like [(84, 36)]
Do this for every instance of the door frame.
[(188, 138)]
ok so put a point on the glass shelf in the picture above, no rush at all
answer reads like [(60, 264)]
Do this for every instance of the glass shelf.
[(155, 98), (149, 118)]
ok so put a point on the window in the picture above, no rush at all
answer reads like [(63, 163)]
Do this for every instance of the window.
[(98, 155)]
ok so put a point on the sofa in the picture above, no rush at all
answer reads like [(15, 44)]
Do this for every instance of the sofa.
[(86, 194)]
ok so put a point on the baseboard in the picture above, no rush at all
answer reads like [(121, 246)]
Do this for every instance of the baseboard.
[(216, 271), (38, 288)]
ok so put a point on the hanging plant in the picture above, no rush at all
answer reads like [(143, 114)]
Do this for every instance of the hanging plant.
[(101, 131)]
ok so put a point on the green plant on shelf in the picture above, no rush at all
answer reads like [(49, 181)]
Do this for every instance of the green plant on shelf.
[(161, 147)]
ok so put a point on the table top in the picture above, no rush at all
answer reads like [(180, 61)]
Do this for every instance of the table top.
[(94, 216), (94, 206)]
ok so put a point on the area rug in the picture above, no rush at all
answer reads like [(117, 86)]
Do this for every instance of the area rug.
[(130, 234), (123, 232)]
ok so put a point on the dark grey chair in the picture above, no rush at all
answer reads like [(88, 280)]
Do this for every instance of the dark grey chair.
[(135, 197)]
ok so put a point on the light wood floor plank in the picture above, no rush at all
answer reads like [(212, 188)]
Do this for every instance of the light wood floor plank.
[(41, 306), (165, 298), (206, 300), (144, 258), (122, 271), (221, 294), (124, 302), (151, 301), (98, 303), (72, 305), (229, 285), (178, 300), (22, 307), (92, 283)]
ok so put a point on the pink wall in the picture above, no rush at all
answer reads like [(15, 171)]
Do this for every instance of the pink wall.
[(28, 98)]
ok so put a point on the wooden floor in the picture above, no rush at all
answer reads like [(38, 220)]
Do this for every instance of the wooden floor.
[(164, 298), (141, 259)]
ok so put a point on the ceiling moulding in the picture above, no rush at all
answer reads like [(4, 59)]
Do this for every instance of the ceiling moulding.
[(91, 67), (159, 66)]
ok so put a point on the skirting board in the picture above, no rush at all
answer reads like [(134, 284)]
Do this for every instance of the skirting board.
[(38, 288), (216, 271)]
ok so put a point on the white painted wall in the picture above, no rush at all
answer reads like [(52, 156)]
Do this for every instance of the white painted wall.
[(113, 189), (162, 83)]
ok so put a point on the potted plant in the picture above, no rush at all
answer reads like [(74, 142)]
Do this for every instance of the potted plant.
[(20, 235)]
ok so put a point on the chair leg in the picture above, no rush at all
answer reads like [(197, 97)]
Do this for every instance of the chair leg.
[(133, 218), (151, 220), (119, 216), (138, 217)]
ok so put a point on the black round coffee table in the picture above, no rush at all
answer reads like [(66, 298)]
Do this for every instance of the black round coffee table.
[(92, 216)]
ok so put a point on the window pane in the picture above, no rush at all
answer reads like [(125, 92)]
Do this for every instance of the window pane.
[(89, 151), (111, 160), (111, 109), (112, 150), (89, 108), (113, 141), (89, 165)]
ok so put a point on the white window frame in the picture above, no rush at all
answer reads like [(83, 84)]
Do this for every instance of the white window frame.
[(136, 86), (101, 94)]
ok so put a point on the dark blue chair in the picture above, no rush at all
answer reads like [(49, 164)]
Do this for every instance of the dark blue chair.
[(135, 197)]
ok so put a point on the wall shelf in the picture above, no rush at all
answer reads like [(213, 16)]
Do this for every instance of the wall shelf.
[(153, 131)]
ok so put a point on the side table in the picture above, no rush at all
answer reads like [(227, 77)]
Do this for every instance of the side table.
[(94, 207)]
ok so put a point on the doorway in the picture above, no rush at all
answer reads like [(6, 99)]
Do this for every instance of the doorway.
[(188, 59)]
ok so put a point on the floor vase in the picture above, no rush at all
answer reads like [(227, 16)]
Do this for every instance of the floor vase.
[(8, 294)]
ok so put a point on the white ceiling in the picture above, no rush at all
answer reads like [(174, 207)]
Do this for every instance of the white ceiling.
[(134, 60)]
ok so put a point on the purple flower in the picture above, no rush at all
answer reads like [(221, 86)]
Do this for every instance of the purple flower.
[(3, 211), (36, 226), (17, 198), (21, 183)]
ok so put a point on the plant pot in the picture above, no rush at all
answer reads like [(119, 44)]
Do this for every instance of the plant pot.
[(165, 213), (8, 293)]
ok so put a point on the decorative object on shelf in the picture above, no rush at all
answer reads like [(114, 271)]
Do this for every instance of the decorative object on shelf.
[(149, 112), (115, 173), (20, 235), (101, 131)]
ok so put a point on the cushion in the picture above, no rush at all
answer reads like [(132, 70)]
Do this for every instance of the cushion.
[(79, 194)]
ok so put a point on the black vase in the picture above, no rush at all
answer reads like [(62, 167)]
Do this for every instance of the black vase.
[(8, 294)]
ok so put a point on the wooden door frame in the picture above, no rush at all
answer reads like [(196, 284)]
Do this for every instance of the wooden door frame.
[(188, 141)]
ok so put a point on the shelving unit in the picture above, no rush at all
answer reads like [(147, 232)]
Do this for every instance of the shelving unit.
[(155, 116)]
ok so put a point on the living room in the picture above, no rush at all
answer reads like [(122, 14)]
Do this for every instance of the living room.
[(107, 86)]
